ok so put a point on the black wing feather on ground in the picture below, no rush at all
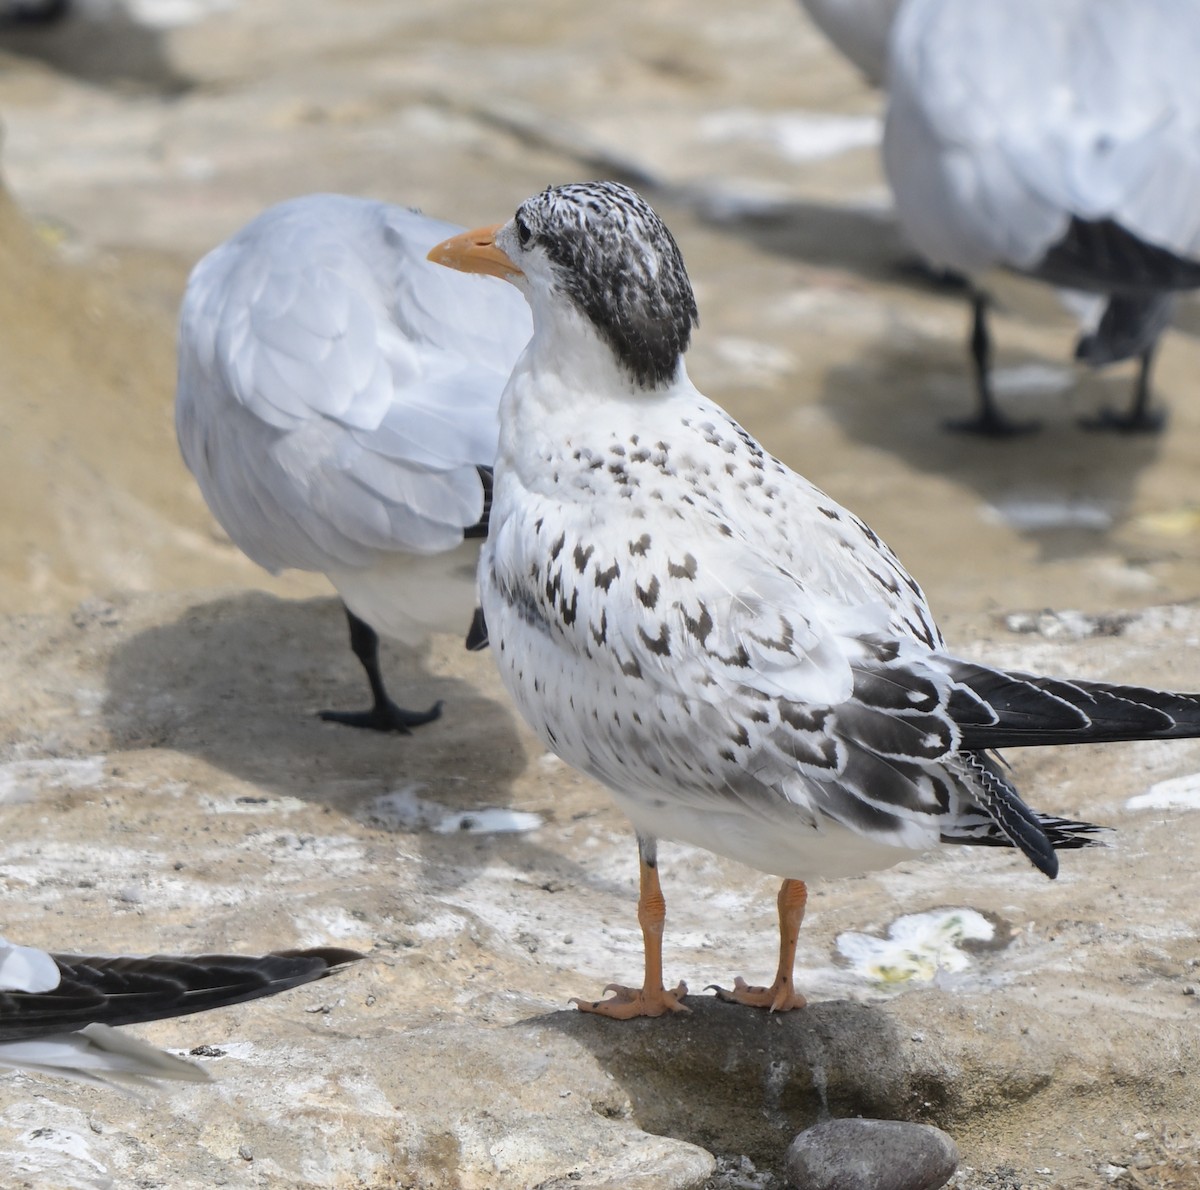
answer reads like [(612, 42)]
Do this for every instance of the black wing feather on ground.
[(124, 991)]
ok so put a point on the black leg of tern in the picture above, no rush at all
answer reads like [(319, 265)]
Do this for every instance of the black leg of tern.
[(989, 421), (385, 715)]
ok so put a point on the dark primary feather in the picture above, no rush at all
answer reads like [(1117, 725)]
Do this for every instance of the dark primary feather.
[(1138, 277), (922, 745), (1102, 256), (994, 709), (124, 991), (480, 528), (477, 634), (1006, 821)]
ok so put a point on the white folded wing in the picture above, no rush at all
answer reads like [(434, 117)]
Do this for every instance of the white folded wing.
[(1009, 118), (337, 392)]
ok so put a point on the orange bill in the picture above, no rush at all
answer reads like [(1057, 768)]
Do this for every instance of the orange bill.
[(475, 252)]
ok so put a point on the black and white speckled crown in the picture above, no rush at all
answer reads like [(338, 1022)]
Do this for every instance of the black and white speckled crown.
[(620, 265)]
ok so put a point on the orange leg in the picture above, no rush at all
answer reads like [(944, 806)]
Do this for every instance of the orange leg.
[(651, 999), (780, 996)]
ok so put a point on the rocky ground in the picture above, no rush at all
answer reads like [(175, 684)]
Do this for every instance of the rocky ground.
[(166, 786)]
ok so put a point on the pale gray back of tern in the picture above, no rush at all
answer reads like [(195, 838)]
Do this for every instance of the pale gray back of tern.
[(676, 613), (1059, 139), (57, 1011), (859, 29), (336, 403)]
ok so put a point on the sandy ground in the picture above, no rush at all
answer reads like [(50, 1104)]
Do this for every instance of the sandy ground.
[(165, 784)]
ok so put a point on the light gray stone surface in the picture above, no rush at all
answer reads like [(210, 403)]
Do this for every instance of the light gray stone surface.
[(167, 745)]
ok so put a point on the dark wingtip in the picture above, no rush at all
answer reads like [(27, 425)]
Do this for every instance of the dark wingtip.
[(477, 634), (126, 990), (480, 528), (1045, 860), (334, 958), (1033, 840)]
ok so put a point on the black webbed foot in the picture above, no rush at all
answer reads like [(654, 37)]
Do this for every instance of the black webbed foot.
[(990, 424), (386, 716), (1136, 421)]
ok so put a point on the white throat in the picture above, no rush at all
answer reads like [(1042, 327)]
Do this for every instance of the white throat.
[(565, 382), (568, 352)]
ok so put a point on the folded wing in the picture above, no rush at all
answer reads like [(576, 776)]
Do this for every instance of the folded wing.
[(337, 392)]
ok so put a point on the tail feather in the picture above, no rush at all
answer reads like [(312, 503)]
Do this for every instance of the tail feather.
[(995, 709), (124, 991)]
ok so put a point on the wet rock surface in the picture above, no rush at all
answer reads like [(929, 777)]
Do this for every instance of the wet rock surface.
[(164, 784)]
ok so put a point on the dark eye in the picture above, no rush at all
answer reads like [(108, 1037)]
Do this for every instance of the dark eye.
[(523, 232)]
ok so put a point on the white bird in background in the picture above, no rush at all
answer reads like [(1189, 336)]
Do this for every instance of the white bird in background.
[(337, 402), (56, 1011), (859, 29), (743, 663), (1059, 139)]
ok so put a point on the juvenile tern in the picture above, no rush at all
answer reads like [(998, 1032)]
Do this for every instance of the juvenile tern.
[(742, 662)]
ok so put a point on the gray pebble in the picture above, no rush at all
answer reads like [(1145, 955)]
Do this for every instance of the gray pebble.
[(870, 1155)]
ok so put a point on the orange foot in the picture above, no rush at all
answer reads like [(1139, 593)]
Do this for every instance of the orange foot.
[(626, 1003), (779, 997)]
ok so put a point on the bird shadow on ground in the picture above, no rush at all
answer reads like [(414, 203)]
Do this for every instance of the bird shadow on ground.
[(237, 682), (736, 1080), (869, 244), (107, 49), (825, 235), (1187, 315), (1063, 487)]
